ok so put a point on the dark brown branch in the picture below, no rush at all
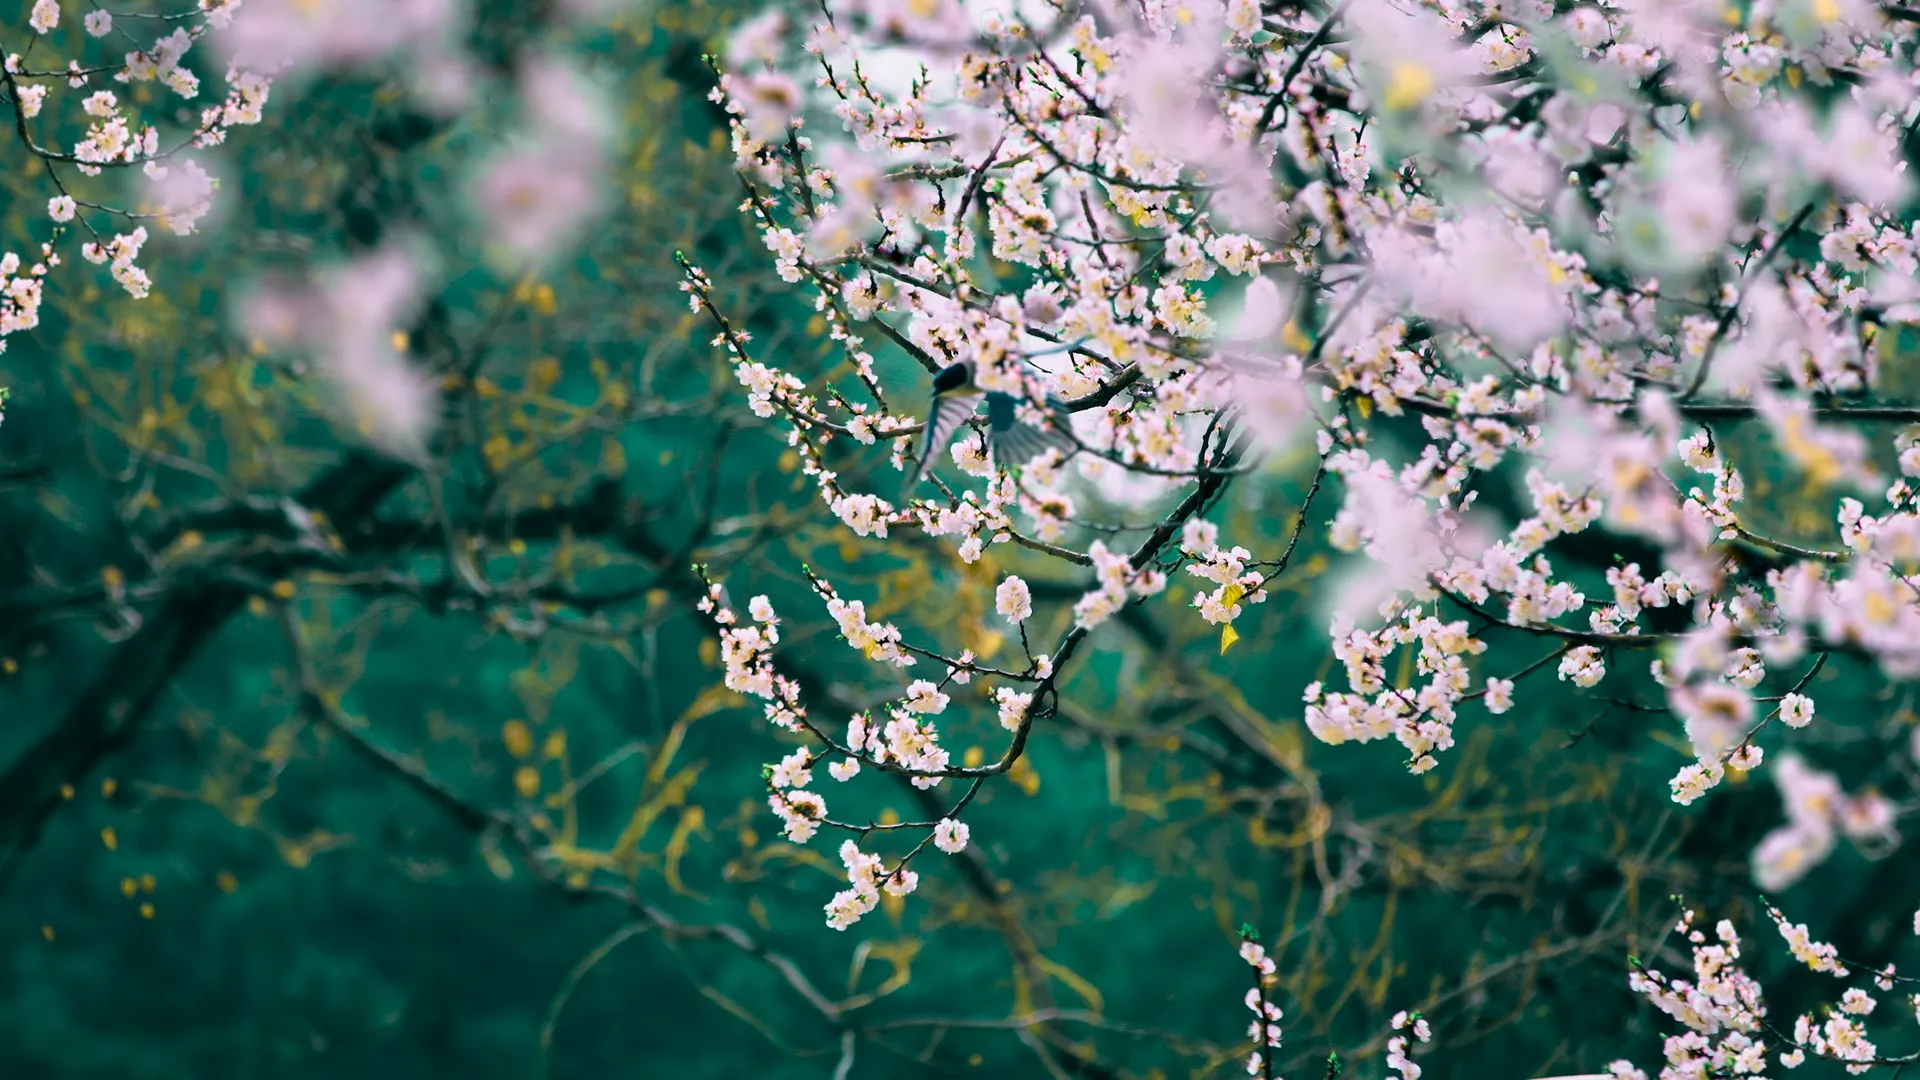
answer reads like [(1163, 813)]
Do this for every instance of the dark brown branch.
[(123, 691)]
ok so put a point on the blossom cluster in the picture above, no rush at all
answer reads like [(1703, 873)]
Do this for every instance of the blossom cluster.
[(1264, 1030), (177, 190), (1583, 244), (1727, 1030), (906, 741), (1819, 812)]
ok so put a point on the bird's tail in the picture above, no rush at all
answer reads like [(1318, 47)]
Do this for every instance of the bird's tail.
[(948, 413), (1021, 442)]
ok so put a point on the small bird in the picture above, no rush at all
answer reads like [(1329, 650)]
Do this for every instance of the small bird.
[(1010, 440)]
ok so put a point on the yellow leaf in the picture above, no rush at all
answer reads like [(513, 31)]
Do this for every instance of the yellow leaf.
[(710, 701), (692, 820), (518, 737), (1228, 635), (989, 644), (526, 780), (497, 860), (1024, 776), (110, 838), (673, 793), (1087, 991)]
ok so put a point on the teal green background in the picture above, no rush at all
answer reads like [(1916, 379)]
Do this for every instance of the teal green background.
[(313, 916)]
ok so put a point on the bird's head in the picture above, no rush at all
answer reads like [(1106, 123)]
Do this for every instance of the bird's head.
[(954, 378)]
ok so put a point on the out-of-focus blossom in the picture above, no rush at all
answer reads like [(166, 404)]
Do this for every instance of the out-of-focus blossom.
[(538, 196), (1818, 812), (758, 40), (181, 194), (1826, 453), (771, 100), (1862, 158), (1408, 53), (1716, 716), (352, 321), (533, 202), (274, 35)]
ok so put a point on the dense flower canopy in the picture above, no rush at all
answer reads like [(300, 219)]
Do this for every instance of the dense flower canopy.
[(1445, 246)]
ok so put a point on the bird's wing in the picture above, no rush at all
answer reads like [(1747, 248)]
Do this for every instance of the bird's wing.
[(1016, 442), (949, 412)]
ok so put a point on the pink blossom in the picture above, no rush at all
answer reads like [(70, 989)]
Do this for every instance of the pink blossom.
[(349, 319), (1861, 158), (1407, 53), (182, 194), (536, 201), (271, 35)]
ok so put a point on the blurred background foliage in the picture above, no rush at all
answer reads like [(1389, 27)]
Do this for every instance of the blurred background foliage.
[(379, 825)]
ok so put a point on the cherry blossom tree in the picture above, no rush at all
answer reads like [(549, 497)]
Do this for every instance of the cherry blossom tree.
[(1530, 294), (1541, 360)]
